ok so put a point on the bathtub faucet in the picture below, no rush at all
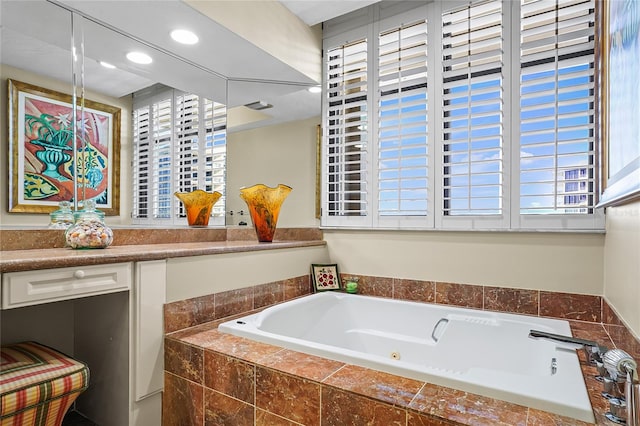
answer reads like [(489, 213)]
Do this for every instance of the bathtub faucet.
[(593, 350)]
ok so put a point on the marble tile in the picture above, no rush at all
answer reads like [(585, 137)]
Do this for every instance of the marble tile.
[(184, 360), (242, 233), (341, 408), (229, 376), (187, 313), (138, 236), (221, 410), (233, 302), (599, 404), (296, 287), (468, 408), (204, 335), (381, 386), (300, 364), (414, 290), (182, 402), (248, 233), (372, 286), (268, 294), (470, 296), (415, 419), (287, 396), (24, 239), (513, 300), (265, 418), (590, 331), (608, 314), (541, 418), (623, 339), (571, 306), (27, 239), (238, 347), (296, 234)]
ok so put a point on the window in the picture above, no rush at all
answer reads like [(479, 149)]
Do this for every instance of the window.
[(557, 132), (472, 102), (179, 145), (462, 115), (402, 121), (347, 130)]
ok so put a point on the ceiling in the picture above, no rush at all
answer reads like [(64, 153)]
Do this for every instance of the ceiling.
[(113, 28), (313, 12)]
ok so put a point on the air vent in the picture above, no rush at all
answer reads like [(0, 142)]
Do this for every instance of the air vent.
[(258, 105)]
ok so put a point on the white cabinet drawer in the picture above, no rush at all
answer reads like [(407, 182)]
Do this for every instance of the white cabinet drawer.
[(50, 285)]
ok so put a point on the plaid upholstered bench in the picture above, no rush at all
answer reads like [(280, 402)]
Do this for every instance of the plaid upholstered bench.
[(38, 384)]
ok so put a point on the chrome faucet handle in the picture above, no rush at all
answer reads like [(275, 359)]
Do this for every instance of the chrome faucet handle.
[(593, 350), (621, 366), (619, 363), (617, 411)]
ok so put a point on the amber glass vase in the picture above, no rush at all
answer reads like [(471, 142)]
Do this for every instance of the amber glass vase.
[(198, 205), (264, 205)]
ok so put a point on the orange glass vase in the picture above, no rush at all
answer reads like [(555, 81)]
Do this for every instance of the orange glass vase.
[(198, 205), (264, 205)]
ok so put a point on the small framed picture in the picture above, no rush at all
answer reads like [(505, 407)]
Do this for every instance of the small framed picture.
[(325, 277)]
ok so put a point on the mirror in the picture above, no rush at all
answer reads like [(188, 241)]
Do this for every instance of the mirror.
[(223, 67)]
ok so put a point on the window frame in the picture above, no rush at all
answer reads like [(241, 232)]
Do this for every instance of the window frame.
[(370, 23)]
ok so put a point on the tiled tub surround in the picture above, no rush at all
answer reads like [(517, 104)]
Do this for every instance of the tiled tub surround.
[(213, 378)]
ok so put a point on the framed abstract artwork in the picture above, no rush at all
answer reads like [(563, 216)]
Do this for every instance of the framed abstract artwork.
[(41, 163), (325, 277)]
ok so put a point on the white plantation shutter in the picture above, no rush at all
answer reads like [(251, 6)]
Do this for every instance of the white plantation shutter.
[(141, 163), (489, 124), (186, 146), (179, 145), (472, 110), (346, 127), (215, 117), (402, 168), (557, 107), (161, 131)]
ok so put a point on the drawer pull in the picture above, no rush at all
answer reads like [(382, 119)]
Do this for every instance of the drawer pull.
[(79, 274)]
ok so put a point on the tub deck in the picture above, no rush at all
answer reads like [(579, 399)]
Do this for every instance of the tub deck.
[(485, 353), (257, 382)]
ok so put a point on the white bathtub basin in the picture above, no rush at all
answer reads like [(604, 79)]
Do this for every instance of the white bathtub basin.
[(481, 352)]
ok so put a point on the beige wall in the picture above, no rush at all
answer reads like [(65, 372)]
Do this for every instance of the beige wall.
[(271, 155), (622, 263), (563, 262), (26, 219), (189, 277)]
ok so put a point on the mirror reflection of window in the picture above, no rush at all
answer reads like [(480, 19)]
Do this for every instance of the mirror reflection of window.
[(179, 145)]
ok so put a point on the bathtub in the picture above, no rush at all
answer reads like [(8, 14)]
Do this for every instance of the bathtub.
[(481, 352)]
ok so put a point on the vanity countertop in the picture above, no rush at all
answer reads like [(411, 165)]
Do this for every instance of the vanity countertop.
[(164, 245)]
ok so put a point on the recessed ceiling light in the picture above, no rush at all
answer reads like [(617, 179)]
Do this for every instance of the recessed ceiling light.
[(139, 58), (315, 89), (184, 36), (106, 65)]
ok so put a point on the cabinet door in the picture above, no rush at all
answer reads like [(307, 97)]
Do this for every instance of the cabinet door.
[(150, 293)]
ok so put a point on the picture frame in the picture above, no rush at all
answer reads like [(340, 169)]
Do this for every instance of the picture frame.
[(621, 103), (41, 162), (325, 277)]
